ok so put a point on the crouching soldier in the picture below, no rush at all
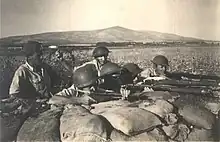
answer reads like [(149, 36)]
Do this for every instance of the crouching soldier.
[(30, 87), (159, 69), (100, 55), (85, 83)]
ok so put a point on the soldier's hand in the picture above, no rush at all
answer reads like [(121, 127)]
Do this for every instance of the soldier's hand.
[(86, 99), (147, 89), (125, 93)]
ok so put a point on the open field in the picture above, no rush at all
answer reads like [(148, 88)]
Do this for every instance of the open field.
[(202, 60)]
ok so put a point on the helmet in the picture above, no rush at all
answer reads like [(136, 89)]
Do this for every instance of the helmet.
[(160, 60), (85, 76), (110, 68), (100, 51), (133, 68)]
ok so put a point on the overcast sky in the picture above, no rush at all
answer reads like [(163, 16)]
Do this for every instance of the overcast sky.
[(194, 18)]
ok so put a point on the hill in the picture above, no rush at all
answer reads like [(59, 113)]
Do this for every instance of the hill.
[(112, 34)]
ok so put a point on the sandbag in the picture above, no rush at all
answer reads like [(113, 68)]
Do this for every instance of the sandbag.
[(154, 135), (198, 116), (200, 135), (78, 124), (165, 95), (131, 120), (118, 136), (160, 108), (214, 107), (44, 127), (104, 106)]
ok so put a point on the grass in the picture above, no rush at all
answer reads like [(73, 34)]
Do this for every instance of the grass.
[(200, 60)]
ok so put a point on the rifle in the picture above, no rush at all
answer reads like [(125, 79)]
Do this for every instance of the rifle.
[(105, 96), (169, 88), (183, 83), (179, 75)]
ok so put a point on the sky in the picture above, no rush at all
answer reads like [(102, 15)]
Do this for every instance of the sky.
[(193, 18)]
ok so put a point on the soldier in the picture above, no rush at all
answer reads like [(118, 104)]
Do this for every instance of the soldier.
[(159, 70), (85, 83), (100, 55), (133, 73)]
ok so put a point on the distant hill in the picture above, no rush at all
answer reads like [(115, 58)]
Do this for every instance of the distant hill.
[(112, 34)]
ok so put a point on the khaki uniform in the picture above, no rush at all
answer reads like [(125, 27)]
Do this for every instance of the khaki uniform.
[(28, 83)]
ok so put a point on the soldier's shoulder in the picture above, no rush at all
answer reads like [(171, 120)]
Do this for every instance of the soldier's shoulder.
[(21, 69)]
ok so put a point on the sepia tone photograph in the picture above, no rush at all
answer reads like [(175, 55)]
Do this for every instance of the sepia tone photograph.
[(109, 70)]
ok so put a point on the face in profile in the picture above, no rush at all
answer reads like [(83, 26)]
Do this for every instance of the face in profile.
[(35, 59)]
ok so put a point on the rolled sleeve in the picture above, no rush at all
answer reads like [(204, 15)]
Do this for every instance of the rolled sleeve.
[(71, 91), (15, 86)]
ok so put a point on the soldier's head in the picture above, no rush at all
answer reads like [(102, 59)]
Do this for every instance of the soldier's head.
[(134, 69), (33, 53), (160, 64), (85, 78), (100, 53)]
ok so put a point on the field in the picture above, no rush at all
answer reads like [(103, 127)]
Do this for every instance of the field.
[(201, 60)]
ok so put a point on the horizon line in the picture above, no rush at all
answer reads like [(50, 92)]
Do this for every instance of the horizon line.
[(105, 29)]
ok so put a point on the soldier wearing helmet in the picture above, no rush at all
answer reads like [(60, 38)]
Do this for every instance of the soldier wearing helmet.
[(84, 83), (159, 69), (132, 73), (100, 55)]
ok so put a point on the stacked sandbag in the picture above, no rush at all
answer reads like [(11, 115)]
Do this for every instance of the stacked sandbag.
[(154, 135), (200, 135), (78, 124), (159, 107), (197, 116), (165, 95), (44, 127), (131, 120), (110, 105)]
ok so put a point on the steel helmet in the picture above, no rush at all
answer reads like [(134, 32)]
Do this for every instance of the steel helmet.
[(100, 51), (160, 60), (110, 68), (133, 68), (85, 76)]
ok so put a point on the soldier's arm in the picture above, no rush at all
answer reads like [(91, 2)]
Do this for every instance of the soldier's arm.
[(17, 83)]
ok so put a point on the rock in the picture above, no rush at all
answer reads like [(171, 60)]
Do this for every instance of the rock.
[(171, 130), (214, 107), (78, 124), (171, 118), (183, 132), (200, 135), (160, 108), (45, 127), (198, 116), (131, 120)]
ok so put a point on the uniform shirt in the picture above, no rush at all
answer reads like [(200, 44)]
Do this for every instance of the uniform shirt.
[(150, 74), (28, 83)]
